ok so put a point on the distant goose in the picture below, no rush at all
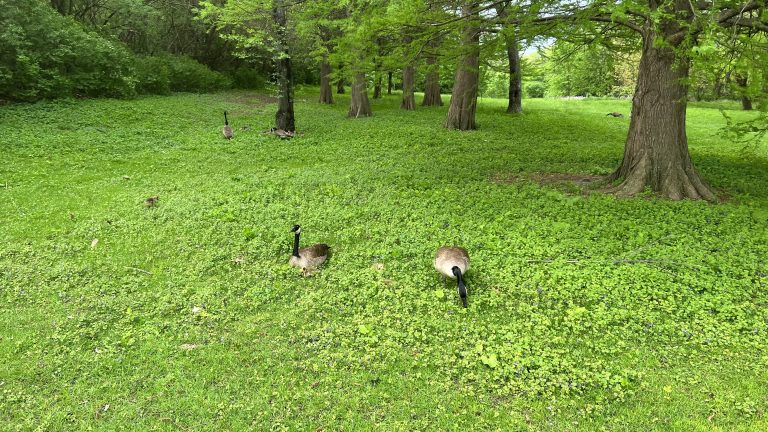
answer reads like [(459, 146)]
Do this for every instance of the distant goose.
[(615, 114), (228, 134), (151, 201), (453, 262), (308, 258)]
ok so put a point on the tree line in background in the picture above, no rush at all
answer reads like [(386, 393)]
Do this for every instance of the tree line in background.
[(662, 52)]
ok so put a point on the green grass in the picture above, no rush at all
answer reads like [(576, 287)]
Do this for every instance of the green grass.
[(661, 323)]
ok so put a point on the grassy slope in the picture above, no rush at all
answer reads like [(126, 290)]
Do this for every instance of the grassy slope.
[(677, 343)]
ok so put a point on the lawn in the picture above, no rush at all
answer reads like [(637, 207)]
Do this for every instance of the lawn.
[(585, 312)]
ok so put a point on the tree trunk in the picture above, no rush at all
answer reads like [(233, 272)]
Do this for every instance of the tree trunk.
[(377, 87), (409, 100), (656, 151), (389, 83), (432, 95), (340, 82), (284, 118), (461, 112), (359, 106), (515, 79), (326, 94), (746, 102)]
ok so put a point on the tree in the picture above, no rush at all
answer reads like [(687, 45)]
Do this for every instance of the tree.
[(461, 112), (264, 24), (359, 105), (432, 96), (284, 117), (515, 97), (408, 101), (656, 152)]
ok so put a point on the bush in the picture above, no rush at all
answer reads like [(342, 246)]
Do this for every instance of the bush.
[(153, 76), (46, 55), (187, 75), (246, 77), (534, 89)]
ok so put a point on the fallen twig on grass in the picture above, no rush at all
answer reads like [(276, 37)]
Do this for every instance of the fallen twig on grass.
[(139, 270)]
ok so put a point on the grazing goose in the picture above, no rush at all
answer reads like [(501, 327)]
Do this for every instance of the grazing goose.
[(151, 201), (615, 114), (308, 258), (228, 134), (453, 262)]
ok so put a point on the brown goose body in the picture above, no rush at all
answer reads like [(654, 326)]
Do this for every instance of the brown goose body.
[(308, 258), (453, 261), (448, 257)]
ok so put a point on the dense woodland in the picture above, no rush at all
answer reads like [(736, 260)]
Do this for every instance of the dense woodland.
[(660, 53)]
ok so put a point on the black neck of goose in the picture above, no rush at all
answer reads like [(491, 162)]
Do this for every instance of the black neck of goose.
[(296, 245), (226, 122), (460, 285)]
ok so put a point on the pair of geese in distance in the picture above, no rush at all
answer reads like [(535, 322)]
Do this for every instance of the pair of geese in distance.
[(229, 133), (450, 261)]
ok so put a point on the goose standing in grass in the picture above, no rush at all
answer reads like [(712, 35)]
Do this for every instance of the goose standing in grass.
[(228, 134), (453, 262), (308, 258)]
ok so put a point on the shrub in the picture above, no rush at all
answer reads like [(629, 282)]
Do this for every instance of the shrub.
[(534, 89), (187, 75), (46, 55), (152, 76), (247, 77)]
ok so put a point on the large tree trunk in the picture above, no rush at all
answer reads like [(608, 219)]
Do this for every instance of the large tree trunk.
[(656, 151), (461, 112), (326, 94), (746, 102), (389, 83), (515, 79), (409, 100), (432, 95), (284, 118), (359, 106)]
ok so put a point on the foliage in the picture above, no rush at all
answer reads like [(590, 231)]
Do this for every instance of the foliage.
[(585, 312), (186, 74), (45, 55), (534, 89), (574, 70)]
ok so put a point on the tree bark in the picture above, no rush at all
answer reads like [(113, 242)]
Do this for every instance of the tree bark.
[(326, 94), (656, 151), (340, 82), (409, 100), (461, 112), (389, 83), (515, 104), (284, 118), (432, 95), (515, 96), (359, 105), (746, 102), (377, 87)]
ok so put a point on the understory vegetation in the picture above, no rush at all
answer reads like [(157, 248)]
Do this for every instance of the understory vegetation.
[(586, 312)]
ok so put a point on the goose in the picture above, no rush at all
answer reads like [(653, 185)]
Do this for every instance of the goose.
[(453, 262), (151, 201), (307, 258), (228, 134), (615, 114)]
